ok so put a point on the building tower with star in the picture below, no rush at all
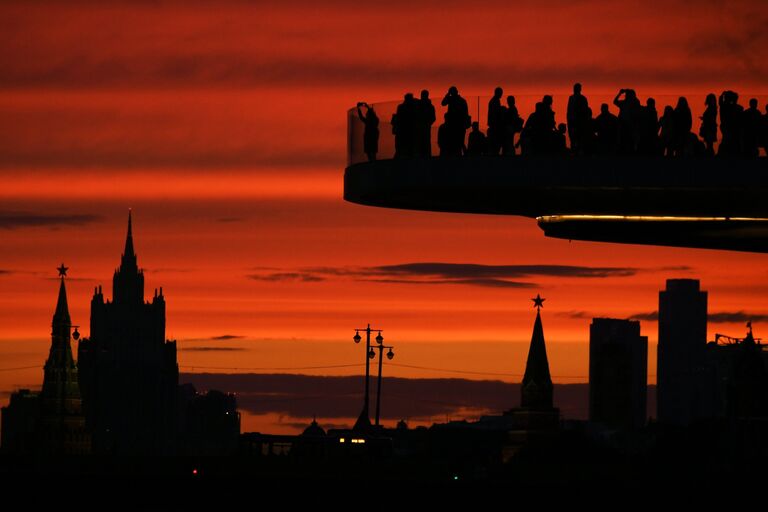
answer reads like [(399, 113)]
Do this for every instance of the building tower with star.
[(128, 370), (536, 390), (61, 428), (536, 409), (51, 422)]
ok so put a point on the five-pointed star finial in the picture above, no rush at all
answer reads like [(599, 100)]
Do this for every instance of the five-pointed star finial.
[(538, 302), (62, 270)]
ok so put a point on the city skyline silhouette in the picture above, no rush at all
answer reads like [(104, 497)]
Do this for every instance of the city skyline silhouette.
[(223, 354), (282, 416)]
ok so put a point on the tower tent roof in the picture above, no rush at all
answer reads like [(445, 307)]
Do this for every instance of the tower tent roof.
[(537, 366), (61, 316)]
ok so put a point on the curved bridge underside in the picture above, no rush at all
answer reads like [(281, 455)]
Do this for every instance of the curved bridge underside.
[(714, 203)]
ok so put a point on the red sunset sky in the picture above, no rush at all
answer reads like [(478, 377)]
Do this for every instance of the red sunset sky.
[(223, 125)]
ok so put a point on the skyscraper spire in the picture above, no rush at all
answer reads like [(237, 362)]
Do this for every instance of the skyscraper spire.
[(129, 253), (537, 382), (128, 281)]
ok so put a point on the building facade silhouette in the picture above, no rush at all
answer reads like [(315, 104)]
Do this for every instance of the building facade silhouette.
[(618, 370), (681, 352), (209, 422), (734, 379), (128, 370)]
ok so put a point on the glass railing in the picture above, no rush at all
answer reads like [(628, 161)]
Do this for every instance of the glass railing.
[(478, 111)]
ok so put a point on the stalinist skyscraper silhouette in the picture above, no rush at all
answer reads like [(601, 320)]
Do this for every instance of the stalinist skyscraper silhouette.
[(128, 370)]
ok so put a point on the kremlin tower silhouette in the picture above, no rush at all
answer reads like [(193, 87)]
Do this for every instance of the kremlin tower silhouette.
[(536, 411), (51, 422), (536, 389), (61, 427)]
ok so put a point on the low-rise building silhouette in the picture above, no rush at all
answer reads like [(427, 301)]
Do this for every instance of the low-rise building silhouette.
[(734, 377), (18, 423), (210, 422)]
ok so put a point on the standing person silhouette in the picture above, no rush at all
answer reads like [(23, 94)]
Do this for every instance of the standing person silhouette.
[(667, 124), (477, 144), (578, 122), (457, 118), (629, 120), (752, 126), (558, 141), (545, 129), (648, 142), (682, 126), (513, 124), (708, 129), (731, 122), (764, 131), (606, 127), (496, 120), (425, 118), (404, 127), (371, 131), (548, 114)]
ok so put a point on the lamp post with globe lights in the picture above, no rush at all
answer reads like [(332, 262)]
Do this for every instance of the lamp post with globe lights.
[(369, 354), (390, 355)]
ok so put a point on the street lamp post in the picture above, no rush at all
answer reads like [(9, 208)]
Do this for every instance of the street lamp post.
[(369, 354), (390, 355)]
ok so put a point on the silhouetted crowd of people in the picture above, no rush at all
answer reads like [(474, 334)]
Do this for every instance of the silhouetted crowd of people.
[(636, 130)]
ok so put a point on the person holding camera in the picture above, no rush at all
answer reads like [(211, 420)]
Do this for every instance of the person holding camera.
[(629, 120), (371, 131), (457, 119)]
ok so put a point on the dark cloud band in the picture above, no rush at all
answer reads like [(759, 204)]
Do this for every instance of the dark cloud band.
[(16, 220), (438, 273)]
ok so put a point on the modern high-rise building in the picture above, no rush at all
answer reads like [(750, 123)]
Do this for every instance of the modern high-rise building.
[(681, 352), (618, 373), (128, 370)]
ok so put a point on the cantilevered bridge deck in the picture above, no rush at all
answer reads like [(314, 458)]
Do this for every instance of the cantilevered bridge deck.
[(686, 202)]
